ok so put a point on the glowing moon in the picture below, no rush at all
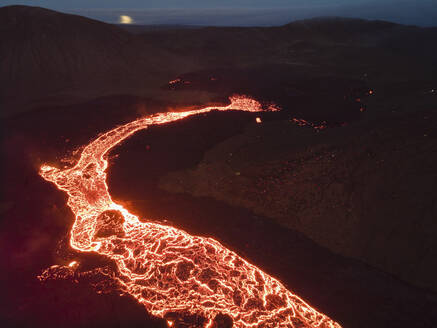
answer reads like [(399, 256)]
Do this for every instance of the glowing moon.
[(124, 19)]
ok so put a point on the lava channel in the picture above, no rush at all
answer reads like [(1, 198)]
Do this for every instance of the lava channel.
[(165, 268)]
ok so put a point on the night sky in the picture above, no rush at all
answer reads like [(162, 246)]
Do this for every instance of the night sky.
[(243, 12)]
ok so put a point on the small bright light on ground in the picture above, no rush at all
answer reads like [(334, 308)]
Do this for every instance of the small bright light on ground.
[(124, 19), (73, 264), (258, 120)]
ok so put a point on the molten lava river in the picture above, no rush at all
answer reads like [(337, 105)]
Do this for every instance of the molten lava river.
[(165, 268)]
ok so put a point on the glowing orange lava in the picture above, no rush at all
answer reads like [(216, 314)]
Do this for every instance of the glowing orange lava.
[(165, 268)]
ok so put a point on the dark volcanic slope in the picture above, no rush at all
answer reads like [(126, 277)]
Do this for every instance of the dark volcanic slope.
[(366, 191), (299, 41), (46, 54)]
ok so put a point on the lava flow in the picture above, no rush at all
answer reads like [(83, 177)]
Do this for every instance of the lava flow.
[(165, 268)]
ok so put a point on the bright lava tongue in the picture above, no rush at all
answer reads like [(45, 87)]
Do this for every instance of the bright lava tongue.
[(165, 268)]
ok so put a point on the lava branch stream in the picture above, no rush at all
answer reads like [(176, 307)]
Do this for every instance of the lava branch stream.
[(165, 268)]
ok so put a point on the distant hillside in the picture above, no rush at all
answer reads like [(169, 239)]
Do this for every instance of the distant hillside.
[(314, 40), (47, 54), (47, 57)]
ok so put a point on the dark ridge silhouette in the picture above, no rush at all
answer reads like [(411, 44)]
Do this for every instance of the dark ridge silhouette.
[(47, 57), (51, 56)]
